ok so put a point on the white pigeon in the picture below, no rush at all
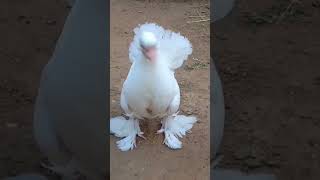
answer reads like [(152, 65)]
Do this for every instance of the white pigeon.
[(151, 90)]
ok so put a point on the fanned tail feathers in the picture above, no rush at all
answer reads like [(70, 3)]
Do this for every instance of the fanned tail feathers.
[(173, 45)]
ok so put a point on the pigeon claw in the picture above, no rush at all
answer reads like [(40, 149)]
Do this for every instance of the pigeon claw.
[(140, 134), (160, 131)]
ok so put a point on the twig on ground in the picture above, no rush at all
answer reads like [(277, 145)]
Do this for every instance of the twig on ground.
[(199, 6), (286, 10), (202, 20), (197, 16)]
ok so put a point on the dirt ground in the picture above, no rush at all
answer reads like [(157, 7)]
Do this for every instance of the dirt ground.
[(152, 159), (268, 59)]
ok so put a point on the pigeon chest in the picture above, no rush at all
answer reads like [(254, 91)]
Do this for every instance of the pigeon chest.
[(152, 92), (158, 94)]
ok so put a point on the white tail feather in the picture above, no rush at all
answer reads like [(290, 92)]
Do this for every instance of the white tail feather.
[(174, 46)]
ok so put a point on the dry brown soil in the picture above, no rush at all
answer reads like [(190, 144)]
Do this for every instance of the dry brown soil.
[(269, 63)]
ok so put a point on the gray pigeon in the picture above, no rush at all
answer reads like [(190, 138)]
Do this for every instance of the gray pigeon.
[(220, 9), (71, 108)]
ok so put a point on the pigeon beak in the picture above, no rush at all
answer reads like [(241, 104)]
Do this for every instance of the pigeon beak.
[(150, 53)]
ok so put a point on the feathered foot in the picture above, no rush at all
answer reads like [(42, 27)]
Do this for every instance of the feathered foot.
[(175, 127), (126, 129)]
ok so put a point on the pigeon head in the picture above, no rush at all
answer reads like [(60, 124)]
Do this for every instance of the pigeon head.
[(148, 43)]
